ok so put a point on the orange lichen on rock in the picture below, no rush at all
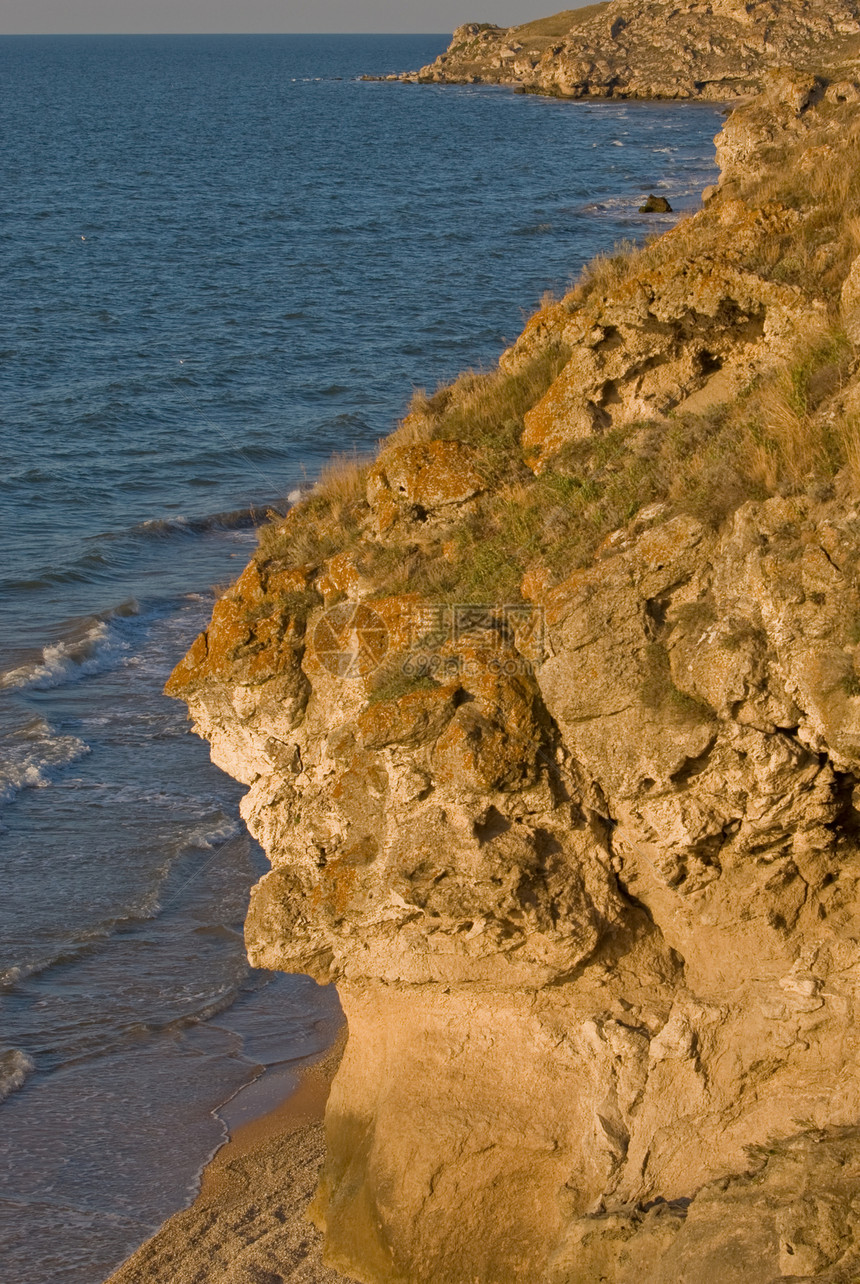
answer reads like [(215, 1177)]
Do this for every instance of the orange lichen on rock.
[(427, 476), (252, 634), (415, 717), (188, 670), (340, 576), (585, 866), (543, 330)]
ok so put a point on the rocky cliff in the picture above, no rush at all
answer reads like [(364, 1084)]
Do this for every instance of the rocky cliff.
[(713, 49), (550, 722)]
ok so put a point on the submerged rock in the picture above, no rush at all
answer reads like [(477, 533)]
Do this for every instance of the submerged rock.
[(655, 205)]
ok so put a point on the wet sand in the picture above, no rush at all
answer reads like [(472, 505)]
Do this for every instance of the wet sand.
[(248, 1225)]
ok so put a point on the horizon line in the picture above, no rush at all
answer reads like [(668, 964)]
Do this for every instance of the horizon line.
[(29, 35)]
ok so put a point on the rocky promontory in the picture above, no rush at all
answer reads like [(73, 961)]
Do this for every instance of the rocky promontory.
[(711, 49), (550, 721)]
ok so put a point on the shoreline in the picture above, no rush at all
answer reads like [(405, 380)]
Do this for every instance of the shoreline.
[(256, 1136), (248, 1220), (558, 1054), (728, 101)]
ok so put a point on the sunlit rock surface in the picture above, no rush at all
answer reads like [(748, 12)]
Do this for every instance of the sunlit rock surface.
[(582, 859)]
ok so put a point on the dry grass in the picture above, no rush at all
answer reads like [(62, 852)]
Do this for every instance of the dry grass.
[(326, 521), (786, 443), (606, 272), (776, 437), (343, 479), (395, 678), (848, 436), (548, 29), (542, 32), (304, 542), (485, 411), (770, 440), (822, 183), (298, 605)]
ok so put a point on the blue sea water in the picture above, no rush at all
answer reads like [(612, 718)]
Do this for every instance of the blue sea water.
[(223, 258)]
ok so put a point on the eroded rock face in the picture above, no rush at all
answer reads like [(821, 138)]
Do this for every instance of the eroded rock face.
[(595, 930), (659, 338), (421, 481), (637, 49), (588, 881), (793, 1211)]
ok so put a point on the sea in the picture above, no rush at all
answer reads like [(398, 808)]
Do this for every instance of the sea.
[(223, 258)]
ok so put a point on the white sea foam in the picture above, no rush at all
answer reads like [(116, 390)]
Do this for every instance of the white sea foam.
[(15, 1066), (61, 662), (99, 645), (13, 975), (214, 835), (301, 492), (163, 525), (31, 757)]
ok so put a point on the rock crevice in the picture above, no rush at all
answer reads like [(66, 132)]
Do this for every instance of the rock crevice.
[(550, 722)]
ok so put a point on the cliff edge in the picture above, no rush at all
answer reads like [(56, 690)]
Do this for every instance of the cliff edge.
[(550, 721), (710, 49)]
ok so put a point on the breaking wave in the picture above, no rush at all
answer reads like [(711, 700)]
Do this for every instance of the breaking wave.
[(15, 1067), (31, 757), (214, 836), (238, 519), (99, 643)]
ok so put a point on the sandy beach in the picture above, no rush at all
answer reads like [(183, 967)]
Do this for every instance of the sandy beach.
[(248, 1224)]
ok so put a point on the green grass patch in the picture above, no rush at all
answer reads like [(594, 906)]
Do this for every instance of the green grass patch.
[(392, 681)]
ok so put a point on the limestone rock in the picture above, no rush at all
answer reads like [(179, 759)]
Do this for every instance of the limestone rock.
[(656, 49), (636, 356), (420, 480), (585, 867), (594, 927)]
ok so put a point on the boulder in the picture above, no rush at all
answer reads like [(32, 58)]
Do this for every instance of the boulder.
[(655, 205)]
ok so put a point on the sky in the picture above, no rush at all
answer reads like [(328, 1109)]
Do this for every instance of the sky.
[(36, 17)]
